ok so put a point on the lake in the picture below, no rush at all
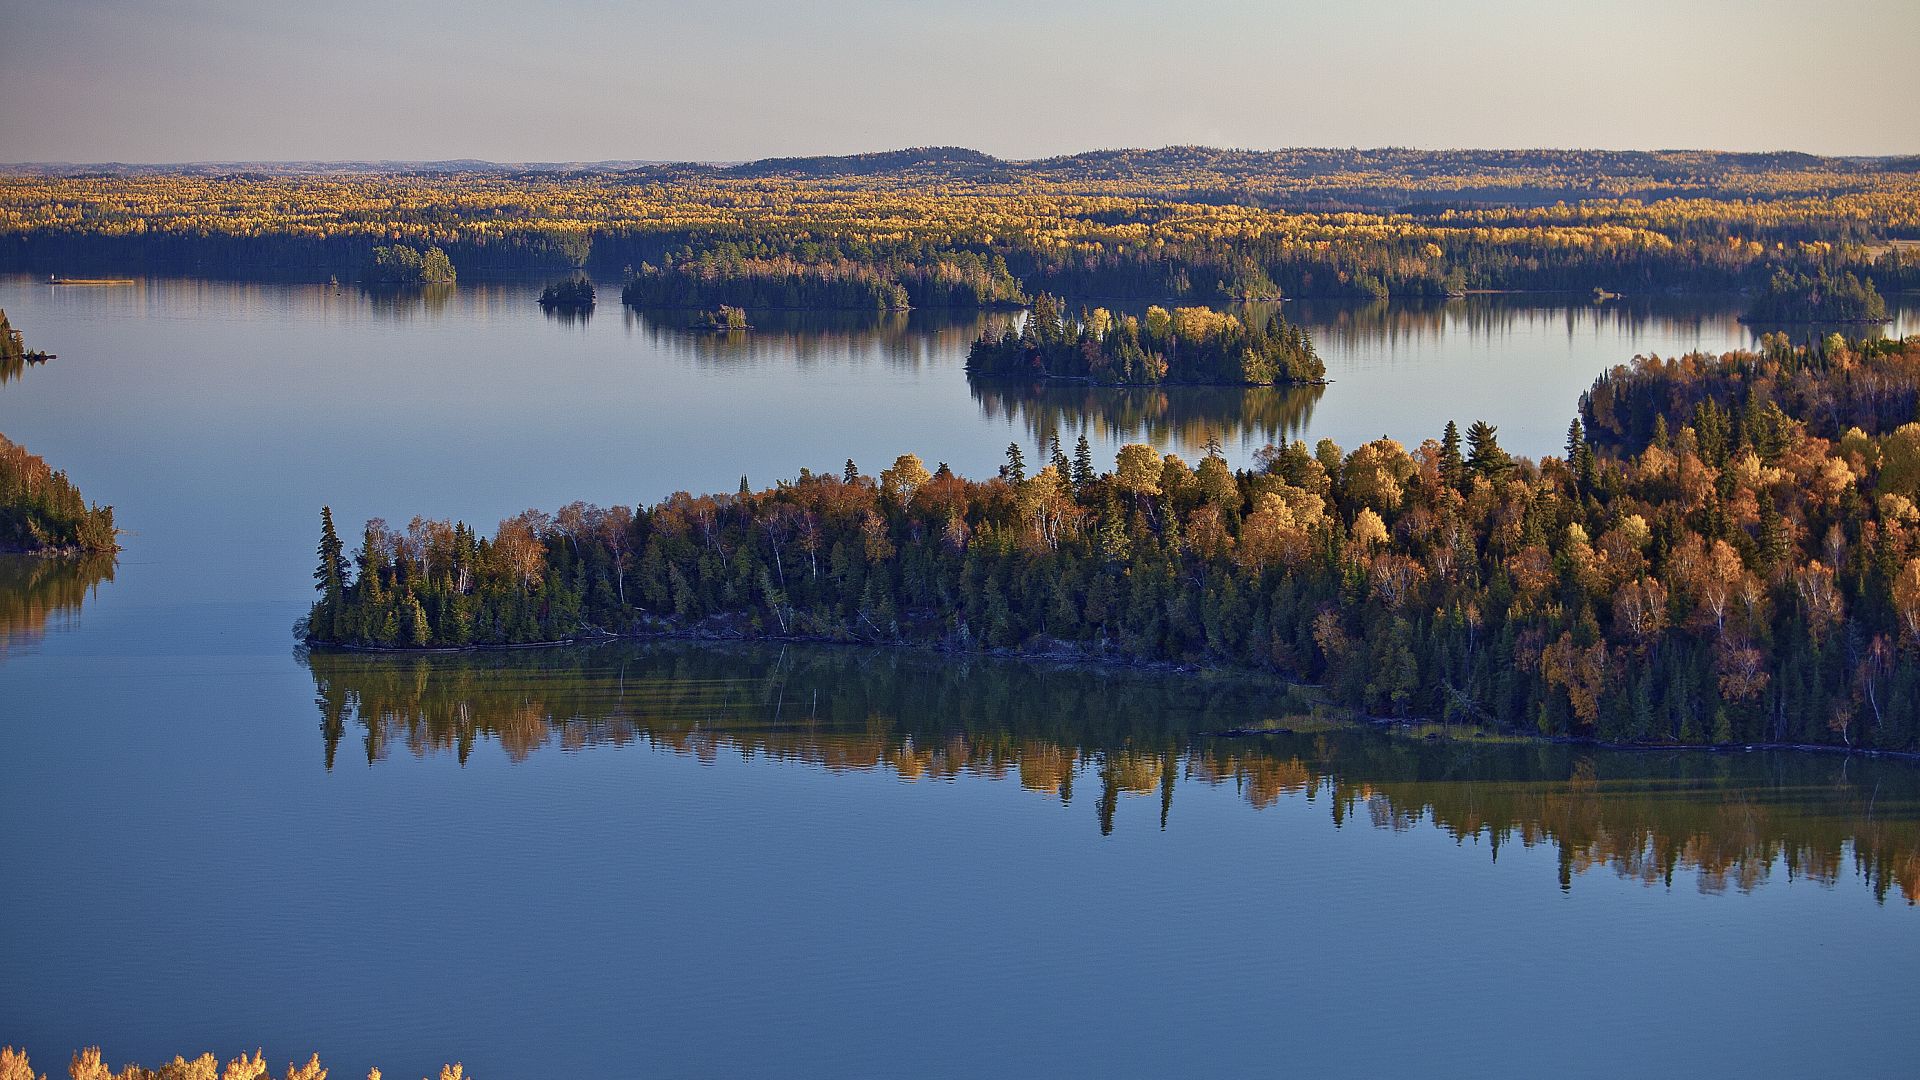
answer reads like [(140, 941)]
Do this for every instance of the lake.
[(589, 861)]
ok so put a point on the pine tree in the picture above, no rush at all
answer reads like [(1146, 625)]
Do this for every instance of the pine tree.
[(329, 578), (1453, 471), (1082, 466), (1484, 455), (1015, 469)]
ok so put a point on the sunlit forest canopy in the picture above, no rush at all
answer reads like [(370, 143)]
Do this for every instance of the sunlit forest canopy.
[(41, 511), (1175, 223), (92, 1064), (1098, 738)]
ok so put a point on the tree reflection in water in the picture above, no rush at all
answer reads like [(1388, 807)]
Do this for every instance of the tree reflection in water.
[(1729, 820), (36, 593)]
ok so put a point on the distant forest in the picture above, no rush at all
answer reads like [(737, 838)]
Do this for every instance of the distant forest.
[(954, 228), (1728, 552)]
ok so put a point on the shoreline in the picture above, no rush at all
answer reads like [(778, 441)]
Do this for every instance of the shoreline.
[(1091, 661)]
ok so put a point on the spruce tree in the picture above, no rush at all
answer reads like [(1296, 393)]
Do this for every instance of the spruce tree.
[(1484, 455), (1453, 470), (1082, 466)]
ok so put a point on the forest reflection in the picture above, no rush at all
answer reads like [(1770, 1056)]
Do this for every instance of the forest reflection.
[(906, 339), (1727, 821), (36, 593), (1249, 416)]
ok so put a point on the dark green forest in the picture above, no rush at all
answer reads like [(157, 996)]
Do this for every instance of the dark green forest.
[(402, 265), (1719, 557), (1820, 297)]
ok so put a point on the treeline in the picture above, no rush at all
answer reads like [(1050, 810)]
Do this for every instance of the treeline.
[(41, 512), (1186, 345), (1187, 224), (402, 265), (822, 280), (89, 1064), (1725, 585), (1820, 297)]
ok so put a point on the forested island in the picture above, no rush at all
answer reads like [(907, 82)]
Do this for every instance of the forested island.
[(948, 227), (1729, 552), (725, 319), (1817, 298), (572, 295), (1187, 345)]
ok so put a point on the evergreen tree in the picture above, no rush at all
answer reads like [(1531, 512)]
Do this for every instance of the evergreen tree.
[(1484, 455), (1453, 470)]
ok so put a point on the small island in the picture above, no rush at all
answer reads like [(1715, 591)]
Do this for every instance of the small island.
[(573, 295), (1820, 297), (725, 319), (14, 354), (403, 265), (1191, 345)]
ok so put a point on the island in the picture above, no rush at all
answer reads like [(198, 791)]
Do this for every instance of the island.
[(1195, 345), (1727, 553), (1819, 297), (571, 295), (725, 319)]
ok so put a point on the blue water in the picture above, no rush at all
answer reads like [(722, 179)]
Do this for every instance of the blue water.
[(184, 873)]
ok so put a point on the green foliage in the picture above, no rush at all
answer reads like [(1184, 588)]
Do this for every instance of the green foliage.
[(1820, 297), (402, 265), (573, 294)]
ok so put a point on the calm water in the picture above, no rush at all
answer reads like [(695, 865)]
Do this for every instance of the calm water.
[(819, 862)]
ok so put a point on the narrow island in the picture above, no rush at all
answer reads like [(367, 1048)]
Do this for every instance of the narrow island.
[(573, 295), (1820, 297), (1728, 553), (1192, 345)]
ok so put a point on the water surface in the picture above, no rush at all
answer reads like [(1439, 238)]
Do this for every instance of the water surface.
[(696, 862)]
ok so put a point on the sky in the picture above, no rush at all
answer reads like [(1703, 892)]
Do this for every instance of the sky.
[(589, 80)]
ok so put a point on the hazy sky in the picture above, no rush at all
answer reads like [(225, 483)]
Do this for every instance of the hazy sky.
[(560, 80)]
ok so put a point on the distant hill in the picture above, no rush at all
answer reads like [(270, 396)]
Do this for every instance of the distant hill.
[(1576, 173)]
